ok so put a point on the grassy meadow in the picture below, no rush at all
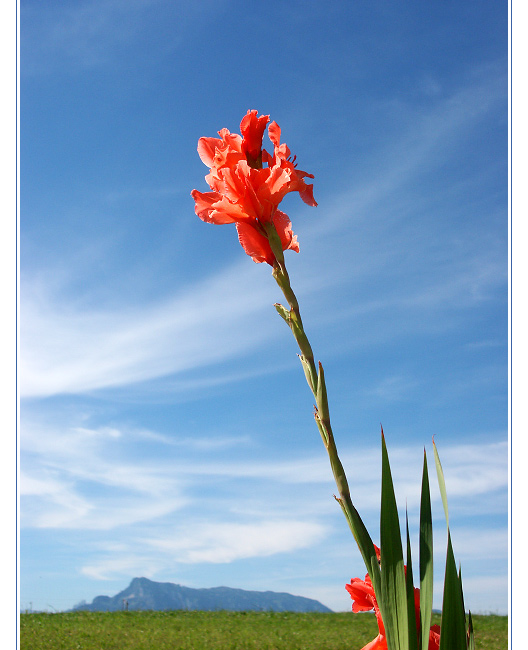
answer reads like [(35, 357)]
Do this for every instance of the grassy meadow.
[(185, 630)]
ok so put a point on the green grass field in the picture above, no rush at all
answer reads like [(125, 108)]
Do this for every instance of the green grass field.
[(219, 631)]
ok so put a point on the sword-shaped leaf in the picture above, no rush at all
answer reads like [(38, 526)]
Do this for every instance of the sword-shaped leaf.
[(426, 558), (453, 634), (393, 604), (409, 584)]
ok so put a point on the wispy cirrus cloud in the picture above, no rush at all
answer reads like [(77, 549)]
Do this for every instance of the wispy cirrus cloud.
[(165, 503), (70, 348), (202, 543), (67, 349), (227, 542), (80, 477)]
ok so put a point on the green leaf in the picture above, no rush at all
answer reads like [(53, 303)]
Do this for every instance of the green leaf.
[(441, 483), (470, 635), (409, 584), (461, 590), (453, 634), (393, 606), (426, 558)]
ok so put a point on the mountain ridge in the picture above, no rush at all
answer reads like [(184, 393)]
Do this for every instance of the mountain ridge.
[(145, 594)]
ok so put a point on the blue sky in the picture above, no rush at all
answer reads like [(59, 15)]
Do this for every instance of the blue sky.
[(166, 427)]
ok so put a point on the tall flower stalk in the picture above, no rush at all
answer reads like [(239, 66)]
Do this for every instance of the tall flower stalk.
[(316, 382), (247, 185)]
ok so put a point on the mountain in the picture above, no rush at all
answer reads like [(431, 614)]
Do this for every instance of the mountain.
[(144, 594)]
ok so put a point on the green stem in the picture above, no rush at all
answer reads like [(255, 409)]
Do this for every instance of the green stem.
[(314, 377), (316, 382)]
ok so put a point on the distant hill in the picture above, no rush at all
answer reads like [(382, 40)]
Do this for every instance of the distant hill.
[(144, 594)]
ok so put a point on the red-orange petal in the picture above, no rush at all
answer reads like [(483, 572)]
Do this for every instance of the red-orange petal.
[(274, 133), (252, 129), (231, 140), (206, 149), (307, 195), (255, 244), (204, 203), (226, 212), (207, 207), (362, 593), (283, 226)]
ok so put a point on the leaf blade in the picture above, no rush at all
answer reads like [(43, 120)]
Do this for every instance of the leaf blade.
[(426, 557), (393, 607), (409, 584), (453, 634)]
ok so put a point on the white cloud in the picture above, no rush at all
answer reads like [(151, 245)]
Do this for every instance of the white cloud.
[(65, 507), (202, 543), (488, 544), (122, 563), (227, 542), (81, 477), (78, 478), (52, 502), (486, 594), (474, 469), (197, 506), (38, 486), (67, 349)]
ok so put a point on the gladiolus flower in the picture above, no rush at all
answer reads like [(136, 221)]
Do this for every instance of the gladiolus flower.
[(364, 599), (248, 183), (362, 593)]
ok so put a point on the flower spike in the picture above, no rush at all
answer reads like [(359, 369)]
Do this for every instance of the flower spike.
[(247, 185)]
